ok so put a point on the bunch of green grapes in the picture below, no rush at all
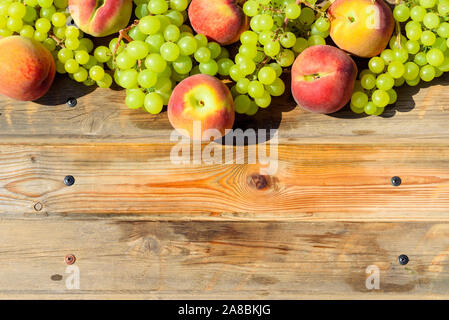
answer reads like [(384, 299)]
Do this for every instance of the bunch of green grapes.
[(163, 51), (421, 55), (280, 30), (47, 21)]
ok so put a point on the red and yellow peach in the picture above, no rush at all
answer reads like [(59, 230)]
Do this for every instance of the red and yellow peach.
[(101, 20), (222, 21), (204, 99), (323, 79), (27, 68), (361, 27)]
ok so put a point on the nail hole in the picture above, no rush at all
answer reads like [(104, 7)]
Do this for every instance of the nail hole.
[(69, 180), (72, 102), (396, 181), (403, 259)]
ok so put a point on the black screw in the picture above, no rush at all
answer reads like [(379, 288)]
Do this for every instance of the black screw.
[(69, 180), (403, 259), (396, 181), (72, 102)]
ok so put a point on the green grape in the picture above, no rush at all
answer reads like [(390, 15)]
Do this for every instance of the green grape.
[(30, 15), (438, 73), (155, 41), (59, 32), (368, 81), (288, 39), (413, 46), (400, 54), (157, 6), (413, 32), (81, 75), (92, 62), (396, 43), (45, 3), (253, 108), (106, 82), (60, 67), (186, 30), (71, 66), (277, 68), (102, 54), (435, 57), (315, 40), (137, 49), (371, 107), (427, 73), (40, 36), (251, 8), (420, 59), (380, 98), (134, 98), (384, 81), (393, 96), (264, 101), (172, 33), (300, 45), (255, 25), (153, 103), (265, 22), (14, 24), (443, 30), (266, 75), (179, 5), (141, 11), (176, 18), (322, 24), (72, 44), (65, 54), (235, 73), (125, 61), (247, 50), (277, 88), (260, 56), (427, 3), (417, 13), (376, 64), (96, 73), (155, 63), (201, 40), (440, 44), (401, 12), (396, 69), (272, 48), (265, 37), (307, 16), (166, 73), (182, 65), (71, 32), (445, 65), (414, 82), (47, 13), (149, 25), (387, 56), (169, 51), (293, 11), (247, 66), (411, 71), (315, 31), (431, 20), (60, 4), (128, 78), (249, 37), (359, 99), (286, 58), (58, 19), (28, 32), (356, 110), (31, 3), (224, 65), (203, 54), (187, 45), (50, 44), (210, 67), (428, 38), (16, 10), (256, 89), (82, 57), (242, 85), (147, 78), (241, 103), (443, 8), (214, 49)]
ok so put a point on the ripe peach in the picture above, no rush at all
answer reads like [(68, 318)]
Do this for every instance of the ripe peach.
[(101, 18), (361, 27), (201, 98), (27, 68), (221, 21), (323, 79)]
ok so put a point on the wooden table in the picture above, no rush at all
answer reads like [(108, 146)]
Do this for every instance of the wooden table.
[(140, 226)]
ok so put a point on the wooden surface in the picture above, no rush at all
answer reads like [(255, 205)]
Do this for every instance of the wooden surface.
[(143, 227)]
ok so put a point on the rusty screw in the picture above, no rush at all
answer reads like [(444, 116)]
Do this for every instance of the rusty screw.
[(70, 259)]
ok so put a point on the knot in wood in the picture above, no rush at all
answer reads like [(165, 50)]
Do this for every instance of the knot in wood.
[(257, 181)]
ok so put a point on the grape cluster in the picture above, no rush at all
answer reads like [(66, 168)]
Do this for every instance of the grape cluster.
[(420, 55), (48, 22), (279, 31)]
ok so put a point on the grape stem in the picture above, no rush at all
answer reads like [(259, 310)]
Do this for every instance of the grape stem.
[(123, 34), (59, 42)]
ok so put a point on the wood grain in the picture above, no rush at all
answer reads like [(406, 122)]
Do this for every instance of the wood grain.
[(238, 260), (313, 182), (421, 114)]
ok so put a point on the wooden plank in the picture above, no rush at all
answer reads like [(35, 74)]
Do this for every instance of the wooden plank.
[(421, 114), (313, 182), (151, 259)]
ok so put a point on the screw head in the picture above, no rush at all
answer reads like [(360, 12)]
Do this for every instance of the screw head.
[(403, 259), (72, 102), (396, 181), (70, 259), (69, 180)]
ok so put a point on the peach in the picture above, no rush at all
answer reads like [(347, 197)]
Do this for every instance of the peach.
[(221, 21), (361, 27), (27, 68), (101, 18), (323, 79), (204, 99)]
